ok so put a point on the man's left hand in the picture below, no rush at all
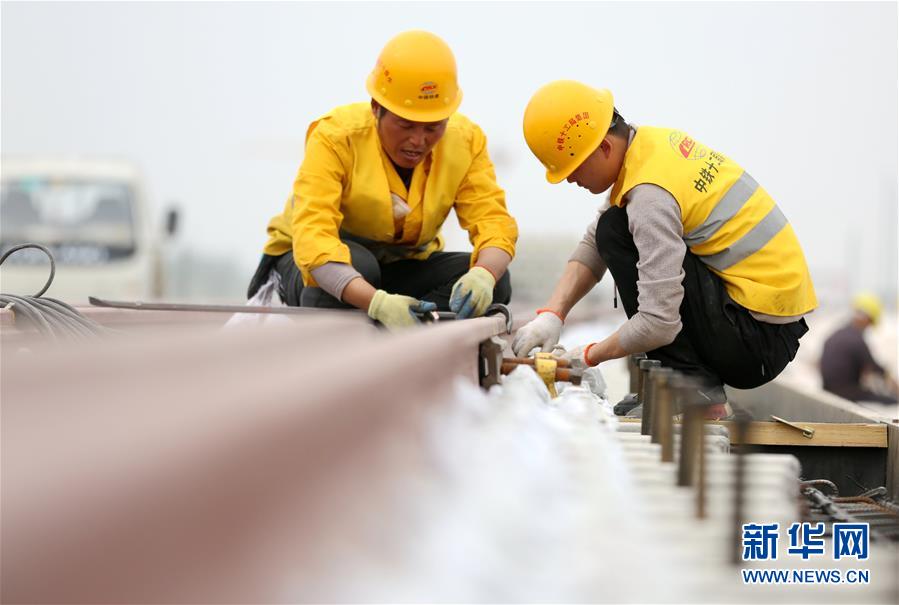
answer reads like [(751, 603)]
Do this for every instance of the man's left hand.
[(575, 356), (473, 293)]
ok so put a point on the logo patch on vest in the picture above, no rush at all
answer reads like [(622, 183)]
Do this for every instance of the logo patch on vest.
[(686, 147)]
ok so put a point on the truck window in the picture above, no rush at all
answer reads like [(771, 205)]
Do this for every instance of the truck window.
[(82, 222)]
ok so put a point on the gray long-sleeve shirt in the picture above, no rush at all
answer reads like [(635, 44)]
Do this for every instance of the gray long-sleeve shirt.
[(656, 227), (654, 220)]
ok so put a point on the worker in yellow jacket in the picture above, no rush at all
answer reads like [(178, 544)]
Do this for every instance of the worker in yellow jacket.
[(362, 226), (709, 271)]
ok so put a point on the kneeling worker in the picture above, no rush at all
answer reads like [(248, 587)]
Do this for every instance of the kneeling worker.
[(710, 273), (362, 226), (846, 361)]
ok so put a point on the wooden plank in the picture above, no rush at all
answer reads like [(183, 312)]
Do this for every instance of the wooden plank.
[(827, 434), (789, 401)]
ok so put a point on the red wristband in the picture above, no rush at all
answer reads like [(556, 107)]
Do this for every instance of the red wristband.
[(547, 310), (586, 353)]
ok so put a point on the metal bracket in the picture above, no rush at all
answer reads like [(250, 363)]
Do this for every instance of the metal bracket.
[(498, 309), (490, 361), (807, 432)]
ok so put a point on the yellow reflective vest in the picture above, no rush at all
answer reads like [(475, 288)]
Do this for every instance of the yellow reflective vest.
[(730, 222), (345, 186)]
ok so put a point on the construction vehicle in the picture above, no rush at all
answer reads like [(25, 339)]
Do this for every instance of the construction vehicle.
[(94, 215)]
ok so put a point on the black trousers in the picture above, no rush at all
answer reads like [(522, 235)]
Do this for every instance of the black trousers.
[(431, 279), (720, 342)]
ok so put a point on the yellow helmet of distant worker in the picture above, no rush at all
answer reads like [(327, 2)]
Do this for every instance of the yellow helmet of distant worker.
[(868, 304), (564, 122), (415, 78)]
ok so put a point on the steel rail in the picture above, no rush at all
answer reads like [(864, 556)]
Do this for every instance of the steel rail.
[(210, 468)]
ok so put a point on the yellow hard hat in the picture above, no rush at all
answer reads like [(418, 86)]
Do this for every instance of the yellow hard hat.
[(564, 122), (868, 304), (415, 78)]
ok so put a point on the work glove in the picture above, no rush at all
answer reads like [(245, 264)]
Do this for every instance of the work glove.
[(473, 293), (543, 331), (591, 377), (397, 311), (576, 356)]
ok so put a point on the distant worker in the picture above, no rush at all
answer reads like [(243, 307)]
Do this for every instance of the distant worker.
[(362, 225), (710, 273), (846, 358)]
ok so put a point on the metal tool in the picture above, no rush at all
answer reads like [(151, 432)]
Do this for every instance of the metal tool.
[(546, 366), (494, 309), (148, 306), (807, 432), (562, 363), (561, 374), (498, 309)]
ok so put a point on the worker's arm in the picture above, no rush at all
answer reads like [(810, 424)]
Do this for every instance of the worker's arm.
[(358, 293), (316, 220), (316, 203), (543, 332), (495, 260), (393, 310), (584, 269), (481, 210), (576, 281), (480, 206), (655, 224), (607, 349)]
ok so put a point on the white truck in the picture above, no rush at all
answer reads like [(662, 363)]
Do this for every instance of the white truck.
[(94, 217)]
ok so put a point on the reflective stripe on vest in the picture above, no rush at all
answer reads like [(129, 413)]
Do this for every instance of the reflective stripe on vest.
[(729, 221), (753, 241), (726, 208)]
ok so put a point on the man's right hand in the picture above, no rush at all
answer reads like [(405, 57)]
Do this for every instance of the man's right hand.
[(543, 331), (396, 310)]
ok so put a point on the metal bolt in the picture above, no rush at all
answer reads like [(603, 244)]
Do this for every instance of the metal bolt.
[(658, 378), (740, 426), (686, 399), (634, 371), (645, 393)]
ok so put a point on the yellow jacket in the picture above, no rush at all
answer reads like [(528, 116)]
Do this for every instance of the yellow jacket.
[(730, 222), (345, 182)]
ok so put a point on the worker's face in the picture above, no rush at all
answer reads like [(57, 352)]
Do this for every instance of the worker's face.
[(407, 143), (600, 170)]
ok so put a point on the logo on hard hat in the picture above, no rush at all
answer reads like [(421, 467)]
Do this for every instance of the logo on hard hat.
[(688, 148), (566, 127), (428, 90), (384, 72)]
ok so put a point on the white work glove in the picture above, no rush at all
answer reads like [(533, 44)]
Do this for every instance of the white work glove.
[(575, 356), (591, 377), (543, 331)]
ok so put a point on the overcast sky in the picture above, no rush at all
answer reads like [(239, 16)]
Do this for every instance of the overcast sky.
[(212, 101)]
